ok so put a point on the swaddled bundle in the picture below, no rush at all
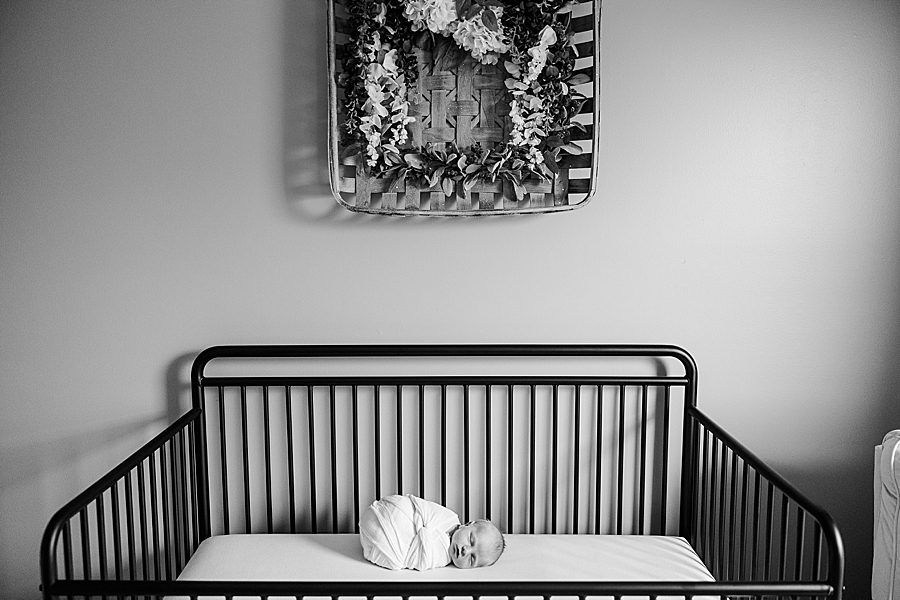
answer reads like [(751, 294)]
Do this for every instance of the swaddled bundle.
[(407, 532)]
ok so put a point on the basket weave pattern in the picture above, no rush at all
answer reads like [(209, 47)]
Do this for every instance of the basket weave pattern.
[(462, 106)]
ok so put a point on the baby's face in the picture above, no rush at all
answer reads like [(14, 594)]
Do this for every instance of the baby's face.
[(475, 544)]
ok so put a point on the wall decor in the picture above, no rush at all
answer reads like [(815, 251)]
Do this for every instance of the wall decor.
[(463, 107)]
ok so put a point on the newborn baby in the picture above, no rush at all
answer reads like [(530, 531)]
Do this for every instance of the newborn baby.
[(407, 532)]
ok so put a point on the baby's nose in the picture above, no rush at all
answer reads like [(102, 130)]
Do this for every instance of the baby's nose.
[(463, 550)]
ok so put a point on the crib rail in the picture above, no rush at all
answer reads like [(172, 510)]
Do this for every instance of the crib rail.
[(577, 452), (138, 522), (749, 524), (581, 451)]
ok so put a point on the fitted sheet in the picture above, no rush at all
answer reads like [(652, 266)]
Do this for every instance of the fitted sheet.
[(305, 557)]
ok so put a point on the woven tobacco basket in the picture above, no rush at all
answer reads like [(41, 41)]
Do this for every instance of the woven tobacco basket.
[(463, 106)]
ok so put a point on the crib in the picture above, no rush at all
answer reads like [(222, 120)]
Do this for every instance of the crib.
[(594, 460)]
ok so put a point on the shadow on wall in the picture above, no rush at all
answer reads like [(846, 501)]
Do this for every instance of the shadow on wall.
[(305, 113), (846, 490), (38, 478)]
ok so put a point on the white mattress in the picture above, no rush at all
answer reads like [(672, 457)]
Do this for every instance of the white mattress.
[(284, 557), (886, 556)]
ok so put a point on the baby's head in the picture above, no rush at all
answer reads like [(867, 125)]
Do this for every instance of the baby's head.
[(476, 544)]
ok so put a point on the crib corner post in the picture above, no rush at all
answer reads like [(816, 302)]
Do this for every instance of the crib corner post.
[(688, 476), (689, 446), (200, 457)]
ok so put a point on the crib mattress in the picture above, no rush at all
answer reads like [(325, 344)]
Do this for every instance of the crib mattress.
[(304, 557)]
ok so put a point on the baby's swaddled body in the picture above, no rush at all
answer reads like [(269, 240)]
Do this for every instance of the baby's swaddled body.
[(407, 532)]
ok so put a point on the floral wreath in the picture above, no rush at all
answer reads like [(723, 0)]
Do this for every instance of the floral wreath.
[(531, 41)]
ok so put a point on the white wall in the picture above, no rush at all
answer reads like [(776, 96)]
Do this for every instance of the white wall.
[(161, 190)]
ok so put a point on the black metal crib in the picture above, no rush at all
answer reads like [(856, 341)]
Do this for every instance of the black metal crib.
[(568, 439)]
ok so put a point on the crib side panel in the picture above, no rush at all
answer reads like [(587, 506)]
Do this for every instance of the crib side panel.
[(749, 524), (140, 522), (535, 451)]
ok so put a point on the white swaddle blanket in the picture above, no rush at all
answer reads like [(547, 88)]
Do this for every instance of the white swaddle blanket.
[(407, 532)]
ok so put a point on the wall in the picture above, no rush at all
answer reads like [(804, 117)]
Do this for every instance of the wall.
[(161, 190)]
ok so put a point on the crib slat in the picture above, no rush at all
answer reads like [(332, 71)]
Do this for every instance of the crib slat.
[(723, 504), (245, 461), (598, 477), (183, 537), (101, 535), (488, 395), (576, 469), (531, 460), (166, 500), (801, 544), (732, 534), (620, 478), (667, 401), (180, 557), (224, 459), (289, 430), (142, 513), (444, 444), (85, 543), (510, 451), (313, 513), (421, 441), (784, 541), (817, 551), (377, 453), (770, 500), (754, 568), (554, 467), (399, 439), (334, 486), (742, 535), (194, 494), (355, 420), (466, 453), (642, 460), (117, 530), (68, 565), (154, 515), (267, 436)]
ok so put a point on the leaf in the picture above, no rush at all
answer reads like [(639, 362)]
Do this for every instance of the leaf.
[(578, 79), (424, 40), (469, 182), (473, 12), (550, 162), (519, 190), (554, 141), (447, 55), (397, 184), (448, 186), (577, 106), (351, 150), (461, 163), (489, 18), (579, 126), (463, 6), (416, 161), (473, 168), (572, 148)]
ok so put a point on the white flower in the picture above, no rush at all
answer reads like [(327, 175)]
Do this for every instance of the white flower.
[(434, 15), (483, 43)]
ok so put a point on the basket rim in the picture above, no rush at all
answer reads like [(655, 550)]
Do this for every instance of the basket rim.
[(334, 137)]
